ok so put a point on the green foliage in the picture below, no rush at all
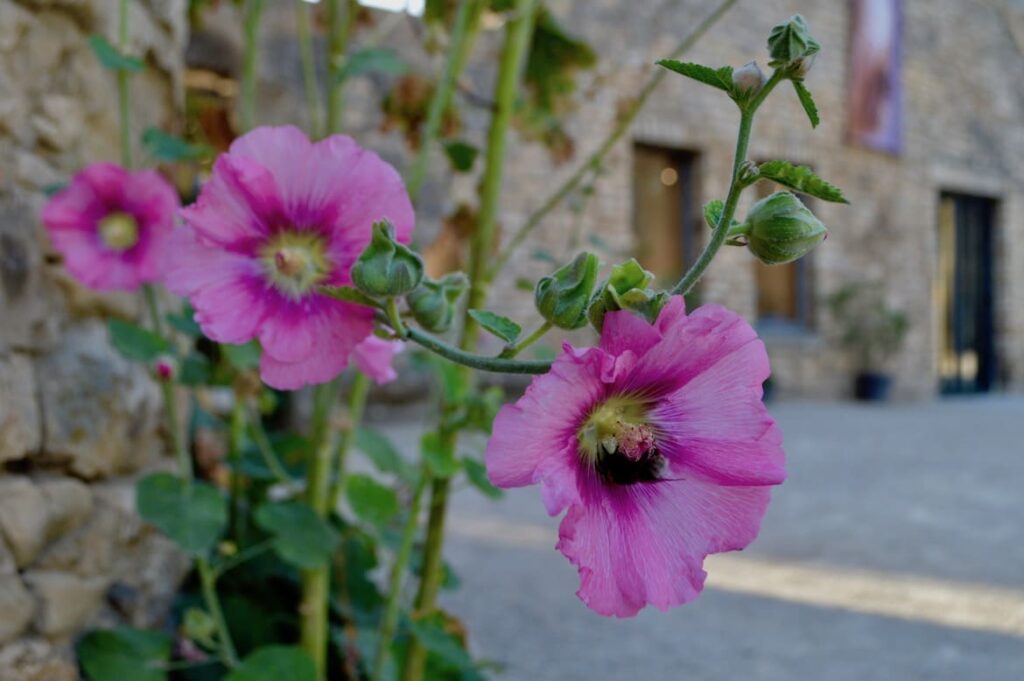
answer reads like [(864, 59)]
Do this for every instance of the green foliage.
[(136, 343), (383, 454), (124, 654), (192, 513), (301, 538), (242, 357), (720, 78), (372, 60), (275, 663), (195, 370), (440, 459), (185, 322), (166, 147), (462, 155), (801, 179), (807, 102), (370, 500), (562, 298), (502, 327), (434, 632), (111, 57), (476, 473), (349, 294), (713, 214)]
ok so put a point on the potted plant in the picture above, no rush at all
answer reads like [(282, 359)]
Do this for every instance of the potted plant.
[(872, 332)]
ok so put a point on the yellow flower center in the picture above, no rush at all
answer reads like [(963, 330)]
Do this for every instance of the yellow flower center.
[(295, 262), (119, 231), (617, 441)]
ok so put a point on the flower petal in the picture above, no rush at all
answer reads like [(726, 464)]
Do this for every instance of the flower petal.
[(374, 356), (646, 543)]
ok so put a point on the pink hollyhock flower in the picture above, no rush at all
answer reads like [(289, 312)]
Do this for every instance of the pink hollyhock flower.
[(373, 357), (112, 226), (659, 445), (279, 217)]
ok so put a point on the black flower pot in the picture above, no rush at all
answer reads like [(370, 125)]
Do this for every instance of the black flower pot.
[(870, 386)]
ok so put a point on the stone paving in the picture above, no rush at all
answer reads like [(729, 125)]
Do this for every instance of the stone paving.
[(923, 501)]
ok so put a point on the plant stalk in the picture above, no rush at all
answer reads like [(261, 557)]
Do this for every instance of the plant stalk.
[(247, 108), (357, 395), (309, 84), (593, 163), (340, 15), (123, 87)]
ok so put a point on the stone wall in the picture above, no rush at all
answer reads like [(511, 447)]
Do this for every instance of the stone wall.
[(77, 422)]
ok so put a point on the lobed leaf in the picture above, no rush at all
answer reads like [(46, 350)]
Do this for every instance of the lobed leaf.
[(275, 663), (383, 454), (111, 57), (476, 473), (502, 327), (807, 102), (801, 179), (124, 654), (301, 537), (371, 501), (192, 513), (136, 343), (713, 214)]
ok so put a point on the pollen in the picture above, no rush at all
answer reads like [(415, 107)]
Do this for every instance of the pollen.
[(119, 231), (295, 262)]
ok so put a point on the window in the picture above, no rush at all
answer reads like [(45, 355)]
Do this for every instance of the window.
[(785, 292), (666, 214)]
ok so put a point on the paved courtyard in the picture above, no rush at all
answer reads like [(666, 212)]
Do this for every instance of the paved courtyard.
[(894, 551)]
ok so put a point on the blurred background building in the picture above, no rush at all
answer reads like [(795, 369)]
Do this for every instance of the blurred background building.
[(922, 126)]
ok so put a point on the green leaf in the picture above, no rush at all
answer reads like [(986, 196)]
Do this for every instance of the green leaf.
[(301, 538), (111, 57), (461, 154), (432, 634), (124, 654), (719, 78), (713, 213), (383, 454), (195, 370), (349, 294), (440, 459), (801, 179), (164, 146), (502, 327), (371, 501), (136, 343), (185, 322), (275, 663), (476, 473), (807, 102), (242, 357), (372, 60), (193, 514)]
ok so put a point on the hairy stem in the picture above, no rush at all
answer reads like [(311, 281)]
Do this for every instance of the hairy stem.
[(259, 435), (517, 38), (303, 29), (473, 361), (316, 583), (513, 350), (718, 237), (247, 108), (393, 607), (466, 17), (123, 89), (340, 14), (236, 434), (208, 581), (357, 395), (593, 163)]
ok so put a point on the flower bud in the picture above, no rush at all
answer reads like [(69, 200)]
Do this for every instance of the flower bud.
[(790, 45), (433, 302), (386, 267), (627, 289), (562, 298), (748, 79), (780, 229), (164, 368)]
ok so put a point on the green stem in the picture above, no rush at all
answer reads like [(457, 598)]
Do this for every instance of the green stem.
[(123, 90), (302, 25), (316, 585), (208, 581), (339, 20), (517, 38), (236, 434), (395, 317), (593, 163), (468, 359), (247, 108), (513, 350), (241, 557), (466, 17), (358, 392), (259, 436), (393, 607), (721, 232), (153, 306)]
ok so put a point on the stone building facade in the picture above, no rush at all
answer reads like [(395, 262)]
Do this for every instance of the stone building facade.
[(77, 422), (963, 122)]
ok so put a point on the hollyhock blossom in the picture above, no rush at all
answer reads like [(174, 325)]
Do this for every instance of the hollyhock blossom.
[(373, 357), (112, 226), (279, 217), (658, 444)]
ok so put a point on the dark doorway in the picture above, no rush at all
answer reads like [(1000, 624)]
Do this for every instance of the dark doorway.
[(666, 211), (967, 356)]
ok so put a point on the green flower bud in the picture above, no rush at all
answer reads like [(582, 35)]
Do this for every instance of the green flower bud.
[(780, 229), (433, 302), (562, 298), (791, 45), (627, 289), (386, 267), (748, 80)]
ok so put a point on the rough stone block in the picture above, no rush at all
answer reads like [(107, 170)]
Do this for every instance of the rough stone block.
[(17, 607), (23, 518), (20, 423), (64, 601)]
